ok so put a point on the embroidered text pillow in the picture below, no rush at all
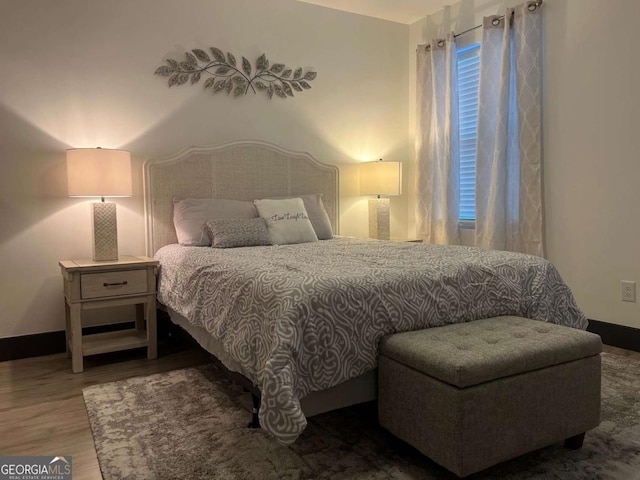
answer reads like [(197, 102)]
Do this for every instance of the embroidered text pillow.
[(287, 220)]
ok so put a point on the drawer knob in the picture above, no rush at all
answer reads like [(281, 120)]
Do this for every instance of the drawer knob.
[(105, 284)]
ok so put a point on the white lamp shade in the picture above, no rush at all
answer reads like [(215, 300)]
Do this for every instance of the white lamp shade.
[(98, 172), (381, 178)]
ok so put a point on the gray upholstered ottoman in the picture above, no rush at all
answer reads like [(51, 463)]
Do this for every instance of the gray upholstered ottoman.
[(475, 394)]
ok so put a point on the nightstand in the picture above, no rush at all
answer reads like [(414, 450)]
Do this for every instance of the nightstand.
[(89, 285)]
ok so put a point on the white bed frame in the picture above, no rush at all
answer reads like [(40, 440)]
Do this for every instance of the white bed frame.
[(244, 170)]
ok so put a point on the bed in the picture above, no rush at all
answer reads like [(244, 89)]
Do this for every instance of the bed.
[(302, 322)]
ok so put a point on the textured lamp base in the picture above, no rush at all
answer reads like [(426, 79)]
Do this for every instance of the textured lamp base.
[(105, 231), (379, 218)]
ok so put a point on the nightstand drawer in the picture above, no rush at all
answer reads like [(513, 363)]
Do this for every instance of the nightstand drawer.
[(108, 284)]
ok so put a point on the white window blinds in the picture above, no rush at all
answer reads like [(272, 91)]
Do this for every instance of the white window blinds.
[(468, 81)]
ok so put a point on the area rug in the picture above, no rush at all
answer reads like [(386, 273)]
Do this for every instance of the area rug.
[(191, 424)]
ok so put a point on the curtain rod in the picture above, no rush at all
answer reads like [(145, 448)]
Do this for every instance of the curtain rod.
[(531, 6)]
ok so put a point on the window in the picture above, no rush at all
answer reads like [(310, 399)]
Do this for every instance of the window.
[(468, 83)]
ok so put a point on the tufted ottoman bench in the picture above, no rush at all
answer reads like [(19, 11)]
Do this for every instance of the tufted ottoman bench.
[(471, 395)]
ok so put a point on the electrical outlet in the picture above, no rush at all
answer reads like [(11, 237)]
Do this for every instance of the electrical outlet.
[(628, 291)]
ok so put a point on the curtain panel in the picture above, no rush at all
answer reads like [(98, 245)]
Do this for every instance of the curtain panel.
[(509, 201), (437, 143)]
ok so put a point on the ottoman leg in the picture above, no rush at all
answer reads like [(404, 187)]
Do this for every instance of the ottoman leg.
[(574, 443)]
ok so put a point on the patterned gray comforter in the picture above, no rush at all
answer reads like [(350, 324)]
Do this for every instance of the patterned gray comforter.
[(303, 318)]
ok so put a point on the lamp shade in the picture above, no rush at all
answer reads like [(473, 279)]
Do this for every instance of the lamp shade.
[(381, 178), (98, 172)]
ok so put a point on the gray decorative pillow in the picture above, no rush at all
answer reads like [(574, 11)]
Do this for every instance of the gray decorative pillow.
[(238, 232)]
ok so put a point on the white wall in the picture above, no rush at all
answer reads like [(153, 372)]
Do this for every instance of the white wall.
[(591, 159), (79, 73)]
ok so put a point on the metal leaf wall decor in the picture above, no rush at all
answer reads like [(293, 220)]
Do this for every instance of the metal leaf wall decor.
[(223, 73)]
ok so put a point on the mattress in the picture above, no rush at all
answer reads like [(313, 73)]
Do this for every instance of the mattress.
[(303, 318)]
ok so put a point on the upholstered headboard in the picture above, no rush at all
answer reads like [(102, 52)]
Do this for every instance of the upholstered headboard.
[(243, 170)]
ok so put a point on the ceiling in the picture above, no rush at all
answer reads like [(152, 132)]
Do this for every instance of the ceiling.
[(401, 11)]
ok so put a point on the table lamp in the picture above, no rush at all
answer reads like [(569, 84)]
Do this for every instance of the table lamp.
[(380, 178), (100, 172)]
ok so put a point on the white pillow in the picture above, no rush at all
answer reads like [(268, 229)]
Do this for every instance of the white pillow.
[(190, 215), (287, 220), (317, 214)]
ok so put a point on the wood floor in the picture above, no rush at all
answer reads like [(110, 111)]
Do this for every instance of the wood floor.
[(42, 411)]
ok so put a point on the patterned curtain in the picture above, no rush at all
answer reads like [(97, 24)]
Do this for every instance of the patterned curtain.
[(509, 212), (437, 143)]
